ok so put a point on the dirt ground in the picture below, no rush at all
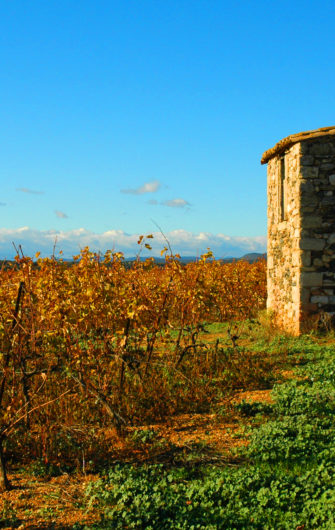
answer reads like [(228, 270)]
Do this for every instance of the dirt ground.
[(41, 503)]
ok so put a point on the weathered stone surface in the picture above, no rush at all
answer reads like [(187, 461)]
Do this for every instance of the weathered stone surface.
[(328, 201), (311, 221), (319, 299), (306, 187), (309, 243), (285, 258), (309, 172), (326, 166), (321, 149), (301, 227), (307, 160), (311, 279)]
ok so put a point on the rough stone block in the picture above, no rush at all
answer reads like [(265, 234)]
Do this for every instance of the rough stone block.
[(328, 201), (307, 160), (311, 279), (332, 180), (309, 172), (311, 221), (306, 187), (327, 166), (319, 299), (323, 148), (309, 243)]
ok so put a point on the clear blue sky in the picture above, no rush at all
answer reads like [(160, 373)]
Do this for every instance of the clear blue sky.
[(114, 113)]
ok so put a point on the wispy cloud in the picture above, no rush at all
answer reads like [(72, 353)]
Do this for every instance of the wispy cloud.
[(28, 190), (61, 215), (176, 203), (3, 204), (172, 203), (182, 241), (148, 187)]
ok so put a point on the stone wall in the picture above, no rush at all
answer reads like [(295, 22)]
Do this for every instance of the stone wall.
[(284, 253), (317, 189), (301, 233)]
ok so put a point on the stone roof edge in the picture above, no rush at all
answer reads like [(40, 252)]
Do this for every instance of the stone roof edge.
[(287, 142)]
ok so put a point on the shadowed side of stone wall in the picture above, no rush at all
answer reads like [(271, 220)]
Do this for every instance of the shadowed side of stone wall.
[(317, 189)]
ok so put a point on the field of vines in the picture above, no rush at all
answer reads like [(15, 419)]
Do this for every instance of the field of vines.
[(100, 343)]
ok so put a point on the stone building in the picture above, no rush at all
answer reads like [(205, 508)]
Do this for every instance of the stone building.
[(301, 228)]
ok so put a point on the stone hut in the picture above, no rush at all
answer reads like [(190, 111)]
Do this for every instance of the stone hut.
[(301, 228)]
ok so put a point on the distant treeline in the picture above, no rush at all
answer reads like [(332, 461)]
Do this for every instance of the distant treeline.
[(250, 258)]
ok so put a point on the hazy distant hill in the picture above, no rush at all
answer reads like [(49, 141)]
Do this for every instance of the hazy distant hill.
[(251, 257)]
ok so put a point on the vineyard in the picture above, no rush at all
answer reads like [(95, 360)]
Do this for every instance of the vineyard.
[(135, 395), (98, 344)]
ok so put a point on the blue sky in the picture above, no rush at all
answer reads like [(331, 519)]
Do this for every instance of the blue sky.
[(117, 114)]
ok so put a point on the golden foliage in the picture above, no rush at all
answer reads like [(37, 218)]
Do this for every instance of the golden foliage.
[(112, 340)]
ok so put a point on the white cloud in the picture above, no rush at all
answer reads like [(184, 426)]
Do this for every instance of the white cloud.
[(148, 187), (27, 190), (176, 203), (71, 241), (61, 215), (153, 202)]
